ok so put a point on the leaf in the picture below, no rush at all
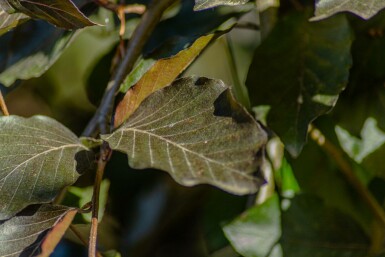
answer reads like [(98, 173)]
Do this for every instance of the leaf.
[(9, 21), (112, 253), (363, 8), (198, 24), (23, 234), (256, 231), (305, 226), (29, 50), (205, 4), (310, 226), (299, 71), (39, 156), (61, 13), (196, 131), (372, 138), (54, 236), (365, 96), (84, 196), (161, 74), (326, 182)]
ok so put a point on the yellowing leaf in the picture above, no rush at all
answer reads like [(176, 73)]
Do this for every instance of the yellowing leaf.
[(161, 74)]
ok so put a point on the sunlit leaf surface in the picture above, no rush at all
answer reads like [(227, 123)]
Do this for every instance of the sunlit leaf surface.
[(196, 131)]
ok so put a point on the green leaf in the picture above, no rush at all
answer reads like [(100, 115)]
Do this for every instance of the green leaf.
[(29, 50), (39, 157), (286, 180), (9, 21), (198, 24), (23, 234), (85, 196), (304, 227), (160, 74), (299, 71), (372, 138), (205, 4), (365, 96), (111, 253), (363, 8), (196, 131), (309, 226), (61, 13), (255, 232)]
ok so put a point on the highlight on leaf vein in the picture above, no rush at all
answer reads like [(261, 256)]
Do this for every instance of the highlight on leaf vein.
[(38, 157)]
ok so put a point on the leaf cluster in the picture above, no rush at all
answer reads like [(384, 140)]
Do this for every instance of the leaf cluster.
[(314, 75)]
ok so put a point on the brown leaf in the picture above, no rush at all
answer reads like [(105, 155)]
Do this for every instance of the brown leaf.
[(54, 236), (160, 75)]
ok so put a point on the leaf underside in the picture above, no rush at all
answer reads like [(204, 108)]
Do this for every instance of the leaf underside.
[(23, 234), (310, 68), (61, 13), (30, 49), (204, 4), (38, 157), (363, 8), (197, 132)]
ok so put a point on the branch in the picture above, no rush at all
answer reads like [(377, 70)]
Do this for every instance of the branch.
[(81, 238), (3, 106), (347, 170), (134, 49), (105, 154), (101, 117)]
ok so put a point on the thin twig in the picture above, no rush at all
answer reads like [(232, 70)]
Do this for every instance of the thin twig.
[(3, 106), (81, 238), (347, 170), (105, 153), (134, 49)]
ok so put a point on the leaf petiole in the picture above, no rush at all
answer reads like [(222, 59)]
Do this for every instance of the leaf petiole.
[(3, 106)]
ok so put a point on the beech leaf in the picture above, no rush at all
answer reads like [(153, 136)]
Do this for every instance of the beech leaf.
[(38, 157), (24, 234), (197, 132), (61, 13), (299, 71), (205, 4), (363, 8), (30, 49)]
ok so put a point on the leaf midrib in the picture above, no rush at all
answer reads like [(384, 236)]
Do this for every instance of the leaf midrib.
[(42, 153), (185, 150)]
